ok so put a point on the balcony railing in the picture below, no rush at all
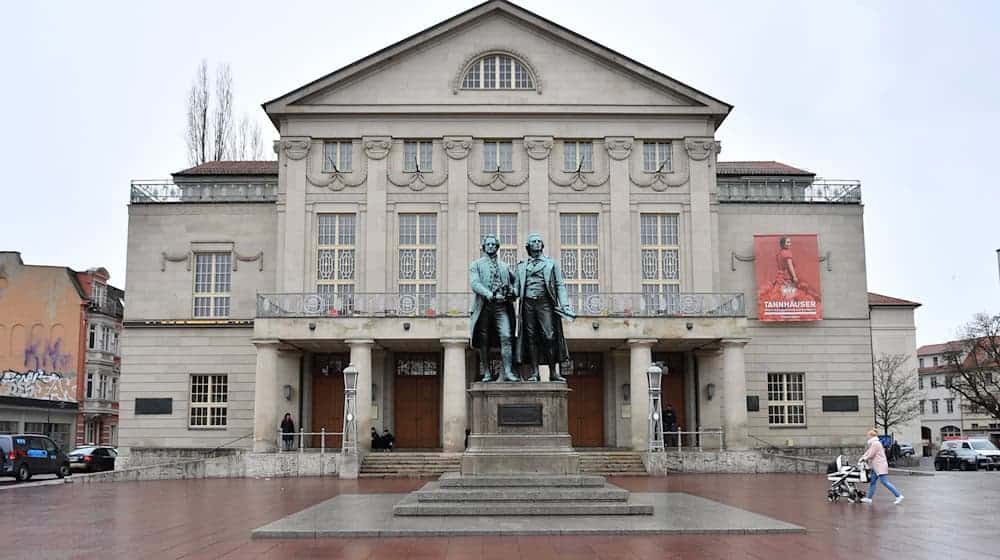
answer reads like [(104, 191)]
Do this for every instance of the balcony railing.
[(828, 191), (458, 305), (151, 192), (109, 306)]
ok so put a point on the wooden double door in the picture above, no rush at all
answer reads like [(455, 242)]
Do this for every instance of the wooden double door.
[(328, 398), (417, 400), (585, 378)]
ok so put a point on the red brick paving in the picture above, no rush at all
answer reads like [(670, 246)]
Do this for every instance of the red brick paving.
[(952, 515)]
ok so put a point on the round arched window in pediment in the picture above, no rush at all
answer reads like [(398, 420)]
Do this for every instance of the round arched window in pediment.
[(498, 70)]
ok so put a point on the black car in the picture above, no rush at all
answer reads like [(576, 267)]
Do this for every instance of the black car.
[(964, 459), (93, 458), (25, 455)]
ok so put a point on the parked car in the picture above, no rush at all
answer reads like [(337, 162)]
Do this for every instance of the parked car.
[(25, 455), (958, 458), (906, 449), (93, 458), (984, 448)]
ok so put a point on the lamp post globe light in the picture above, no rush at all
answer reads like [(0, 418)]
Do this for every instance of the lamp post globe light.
[(654, 375), (350, 437)]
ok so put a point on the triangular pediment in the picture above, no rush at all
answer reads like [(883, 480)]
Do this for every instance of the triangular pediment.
[(423, 73)]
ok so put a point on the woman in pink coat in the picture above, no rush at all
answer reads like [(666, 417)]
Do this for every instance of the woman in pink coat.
[(875, 455)]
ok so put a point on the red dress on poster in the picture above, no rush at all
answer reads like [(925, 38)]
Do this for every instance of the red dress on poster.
[(786, 285)]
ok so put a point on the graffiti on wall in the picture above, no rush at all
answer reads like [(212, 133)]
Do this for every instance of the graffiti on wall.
[(40, 355), (38, 384)]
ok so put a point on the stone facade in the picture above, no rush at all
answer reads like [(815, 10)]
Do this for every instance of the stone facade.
[(393, 150)]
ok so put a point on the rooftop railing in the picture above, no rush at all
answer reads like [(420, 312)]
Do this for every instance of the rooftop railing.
[(823, 191), (290, 305), (161, 191)]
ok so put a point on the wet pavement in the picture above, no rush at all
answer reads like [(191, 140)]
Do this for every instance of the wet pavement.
[(951, 514)]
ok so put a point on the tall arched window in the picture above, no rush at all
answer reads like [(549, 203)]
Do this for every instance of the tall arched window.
[(498, 71), (950, 431)]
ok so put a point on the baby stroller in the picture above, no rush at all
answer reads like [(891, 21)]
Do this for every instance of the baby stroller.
[(846, 480)]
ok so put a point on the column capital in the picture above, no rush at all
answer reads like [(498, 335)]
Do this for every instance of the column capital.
[(454, 342), (619, 147), (641, 341), (734, 342), (376, 147), (295, 147), (457, 147), (700, 147), (538, 147)]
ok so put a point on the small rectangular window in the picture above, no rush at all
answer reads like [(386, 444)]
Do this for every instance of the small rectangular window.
[(417, 156), (212, 284), (786, 399), (950, 405), (498, 156), (934, 406), (578, 156), (90, 385), (209, 401), (337, 156), (920, 382), (655, 156)]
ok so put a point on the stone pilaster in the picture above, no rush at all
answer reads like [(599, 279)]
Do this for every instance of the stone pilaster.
[(265, 399), (376, 149), (538, 149), (453, 412), (640, 358), (734, 391), (701, 153), (457, 148), (361, 358), (619, 150), (292, 151)]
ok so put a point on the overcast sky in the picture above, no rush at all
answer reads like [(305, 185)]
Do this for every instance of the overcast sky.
[(901, 95)]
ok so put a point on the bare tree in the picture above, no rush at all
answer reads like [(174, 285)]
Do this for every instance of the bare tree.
[(197, 117), (975, 363), (217, 138), (897, 397), (223, 112)]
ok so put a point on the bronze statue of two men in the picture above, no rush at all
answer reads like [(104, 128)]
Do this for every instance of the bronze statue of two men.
[(532, 336)]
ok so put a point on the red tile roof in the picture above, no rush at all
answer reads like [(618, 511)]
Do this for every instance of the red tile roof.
[(759, 168), (231, 168), (953, 346), (879, 299)]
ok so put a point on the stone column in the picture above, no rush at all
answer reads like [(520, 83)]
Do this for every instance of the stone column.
[(457, 148), (265, 397), (701, 153), (619, 149), (361, 358), (453, 412), (640, 358), (734, 392), (292, 151), (538, 148), (376, 150)]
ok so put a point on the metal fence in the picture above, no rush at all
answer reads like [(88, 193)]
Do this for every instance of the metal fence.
[(287, 305), (303, 441), (828, 191), (679, 440), (157, 191)]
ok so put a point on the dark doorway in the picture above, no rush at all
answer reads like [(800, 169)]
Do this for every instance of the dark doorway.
[(328, 397), (585, 377), (418, 401)]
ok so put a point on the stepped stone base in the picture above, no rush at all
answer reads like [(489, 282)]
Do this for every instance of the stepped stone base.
[(531, 495)]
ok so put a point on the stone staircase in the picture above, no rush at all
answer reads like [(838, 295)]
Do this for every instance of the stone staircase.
[(409, 464), (612, 463)]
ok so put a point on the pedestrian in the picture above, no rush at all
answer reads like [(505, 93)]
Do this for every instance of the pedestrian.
[(669, 425), (875, 455), (376, 440), (893, 453), (387, 439), (287, 432)]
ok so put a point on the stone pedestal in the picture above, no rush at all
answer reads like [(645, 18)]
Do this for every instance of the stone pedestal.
[(519, 428)]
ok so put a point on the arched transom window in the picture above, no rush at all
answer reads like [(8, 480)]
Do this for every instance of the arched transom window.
[(498, 71)]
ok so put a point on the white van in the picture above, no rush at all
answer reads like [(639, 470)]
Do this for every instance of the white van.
[(984, 448)]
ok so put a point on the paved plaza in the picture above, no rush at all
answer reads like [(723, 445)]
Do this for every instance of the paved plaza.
[(951, 515)]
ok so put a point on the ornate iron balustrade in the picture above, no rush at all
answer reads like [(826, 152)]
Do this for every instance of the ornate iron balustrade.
[(151, 192), (109, 306), (458, 305), (827, 191)]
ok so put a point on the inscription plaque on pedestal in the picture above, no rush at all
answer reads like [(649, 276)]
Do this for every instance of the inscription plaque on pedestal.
[(526, 414)]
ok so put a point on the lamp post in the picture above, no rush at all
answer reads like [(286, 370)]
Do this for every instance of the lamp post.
[(655, 375), (349, 441)]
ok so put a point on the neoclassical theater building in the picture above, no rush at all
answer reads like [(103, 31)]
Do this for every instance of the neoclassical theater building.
[(253, 284)]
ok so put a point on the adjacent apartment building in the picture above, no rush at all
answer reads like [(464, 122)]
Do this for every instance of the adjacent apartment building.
[(59, 361), (253, 284), (945, 414)]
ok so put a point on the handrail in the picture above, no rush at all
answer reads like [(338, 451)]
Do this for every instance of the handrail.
[(695, 441), (301, 436)]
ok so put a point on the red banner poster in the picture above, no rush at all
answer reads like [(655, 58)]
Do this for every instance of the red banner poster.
[(787, 278)]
